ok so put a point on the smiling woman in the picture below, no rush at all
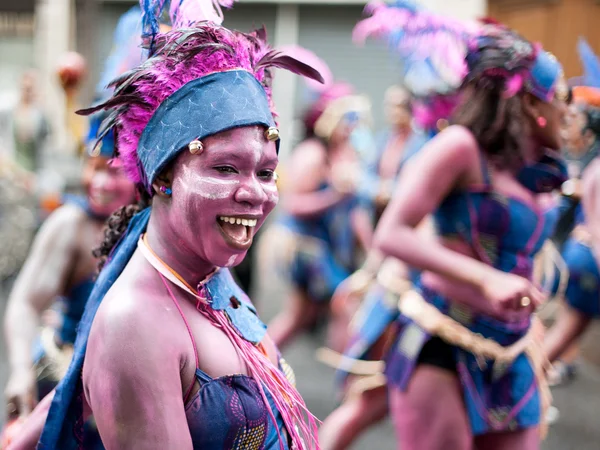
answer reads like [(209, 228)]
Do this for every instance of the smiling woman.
[(170, 352)]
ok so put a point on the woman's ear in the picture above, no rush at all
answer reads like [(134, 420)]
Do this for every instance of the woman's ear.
[(530, 106), (163, 182)]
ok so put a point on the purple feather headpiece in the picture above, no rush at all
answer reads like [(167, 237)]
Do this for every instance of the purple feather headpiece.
[(440, 54), (181, 56)]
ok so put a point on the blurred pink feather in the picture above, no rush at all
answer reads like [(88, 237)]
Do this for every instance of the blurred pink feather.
[(308, 57), (432, 47)]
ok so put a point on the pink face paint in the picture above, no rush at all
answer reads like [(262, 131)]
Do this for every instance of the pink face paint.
[(223, 195), (107, 186)]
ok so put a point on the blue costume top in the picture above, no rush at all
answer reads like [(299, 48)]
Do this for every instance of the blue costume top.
[(229, 412), (504, 231)]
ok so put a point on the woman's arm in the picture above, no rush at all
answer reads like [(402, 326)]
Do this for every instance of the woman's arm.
[(40, 282), (441, 166), (132, 379), (449, 161), (308, 171)]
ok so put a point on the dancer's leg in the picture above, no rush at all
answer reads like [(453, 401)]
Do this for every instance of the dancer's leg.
[(341, 428), (298, 314), (431, 414), (569, 325)]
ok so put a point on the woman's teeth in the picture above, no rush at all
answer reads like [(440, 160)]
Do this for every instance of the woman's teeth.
[(238, 221)]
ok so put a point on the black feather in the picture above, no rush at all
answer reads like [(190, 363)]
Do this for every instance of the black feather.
[(277, 59)]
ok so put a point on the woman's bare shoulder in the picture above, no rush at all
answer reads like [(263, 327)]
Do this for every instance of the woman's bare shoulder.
[(135, 313)]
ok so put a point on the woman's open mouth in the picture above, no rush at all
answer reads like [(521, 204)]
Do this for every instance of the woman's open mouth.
[(237, 231)]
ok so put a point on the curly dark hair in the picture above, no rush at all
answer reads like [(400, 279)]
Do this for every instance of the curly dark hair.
[(115, 228)]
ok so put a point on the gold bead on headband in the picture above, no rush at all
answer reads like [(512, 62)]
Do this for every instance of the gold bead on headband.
[(195, 147), (272, 134)]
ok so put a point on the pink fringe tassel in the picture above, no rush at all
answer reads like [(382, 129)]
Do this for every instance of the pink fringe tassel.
[(300, 423)]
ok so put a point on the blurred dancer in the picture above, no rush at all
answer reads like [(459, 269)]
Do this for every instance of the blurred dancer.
[(29, 126), (574, 269), (465, 368), (57, 278), (324, 224), (582, 293), (59, 274), (391, 144), (60, 266), (170, 353), (364, 310)]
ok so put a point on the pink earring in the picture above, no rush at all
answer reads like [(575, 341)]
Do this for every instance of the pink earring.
[(541, 121)]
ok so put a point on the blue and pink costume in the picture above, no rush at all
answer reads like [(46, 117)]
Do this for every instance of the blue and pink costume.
[(506, 233)]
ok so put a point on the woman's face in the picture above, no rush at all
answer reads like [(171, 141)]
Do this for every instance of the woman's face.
[(397, 107), (344, 128), (573, 136), (106, 185), (222, 196)]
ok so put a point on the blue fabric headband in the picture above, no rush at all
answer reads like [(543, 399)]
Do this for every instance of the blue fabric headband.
[(203, 107), (545, 74)]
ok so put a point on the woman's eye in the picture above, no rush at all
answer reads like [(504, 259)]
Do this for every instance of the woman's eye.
[(225, 169), (266, 175)]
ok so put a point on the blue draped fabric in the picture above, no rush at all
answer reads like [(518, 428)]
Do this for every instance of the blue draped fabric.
[(65, 412)]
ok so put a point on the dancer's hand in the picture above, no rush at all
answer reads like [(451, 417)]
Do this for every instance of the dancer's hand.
[(20, 393), (509, 293)]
